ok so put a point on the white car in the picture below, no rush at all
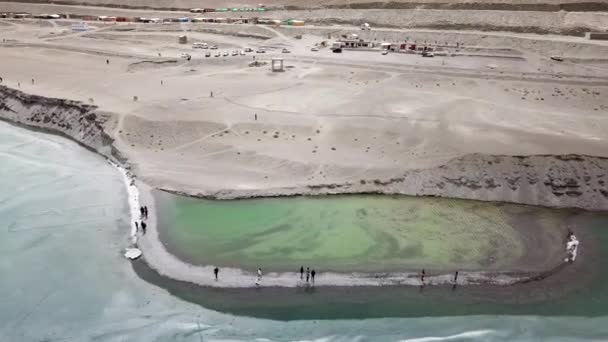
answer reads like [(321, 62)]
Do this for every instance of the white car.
[(213, 47), (242, 53), (248, 49), (225, 53), (207, 54), (285, 50), (199, 46), (217, 54), (235, 53), (260, 51), (385, 52), (314, 49), (186, 56)]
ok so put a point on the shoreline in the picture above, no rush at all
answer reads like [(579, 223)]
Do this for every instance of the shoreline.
[(168, 265), (138, 190)]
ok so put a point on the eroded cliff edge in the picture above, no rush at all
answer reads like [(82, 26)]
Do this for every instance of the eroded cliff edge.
[(577, 181)]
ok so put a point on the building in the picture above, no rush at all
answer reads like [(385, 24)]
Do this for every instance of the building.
[(351, 43)]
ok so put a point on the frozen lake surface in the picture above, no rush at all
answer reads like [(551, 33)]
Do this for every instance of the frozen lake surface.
[(62, 276)]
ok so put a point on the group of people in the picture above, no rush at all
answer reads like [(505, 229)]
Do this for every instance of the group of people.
[(423, 275), (310, 275), (143, 211)]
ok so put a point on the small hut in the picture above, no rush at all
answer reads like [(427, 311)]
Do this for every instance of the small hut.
[(277, 65)]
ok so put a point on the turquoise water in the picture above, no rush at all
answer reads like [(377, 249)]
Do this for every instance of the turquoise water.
[(62, 276), (369, 233)]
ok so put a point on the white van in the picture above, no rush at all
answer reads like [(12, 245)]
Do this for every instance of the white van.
[(200, 46)]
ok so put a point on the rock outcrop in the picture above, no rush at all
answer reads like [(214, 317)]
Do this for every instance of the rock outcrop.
[(75, 120)]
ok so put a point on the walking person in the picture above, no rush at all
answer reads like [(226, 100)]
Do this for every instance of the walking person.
[(301, 272), (422, 274), (455, 280), (143, 227), (307, 274), (312, 276), (215, 272), (32, 81), (136, 227), (141, 212), (146, 211), (255, 116)]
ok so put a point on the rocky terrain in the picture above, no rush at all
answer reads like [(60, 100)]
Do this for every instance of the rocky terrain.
[(77, 121)]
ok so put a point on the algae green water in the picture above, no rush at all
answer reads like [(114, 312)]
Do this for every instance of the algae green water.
[(346, 233)]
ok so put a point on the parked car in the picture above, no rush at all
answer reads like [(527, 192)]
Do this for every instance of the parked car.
[(385, 52), (199, 45), (248, 49), (186, 56), (242, 53), (225, 53), (260, 51), (428, 54), (217, 54), (207, 54), (235, 53), (285, 50), (314, 49), (213, 47), (557, 58)]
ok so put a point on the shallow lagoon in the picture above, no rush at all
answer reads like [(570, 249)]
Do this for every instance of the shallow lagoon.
[(357, 233)]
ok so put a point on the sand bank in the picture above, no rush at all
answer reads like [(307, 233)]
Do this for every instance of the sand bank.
[(157, 257), (168, 265)]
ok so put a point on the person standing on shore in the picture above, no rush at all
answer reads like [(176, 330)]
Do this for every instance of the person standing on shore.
[(215, 272), (259, 279), (422, 274), (301, 272), (307, 274), (312, 276), (146, 211), (141, 211), (143, 227), (456, 278), (136, 227)]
